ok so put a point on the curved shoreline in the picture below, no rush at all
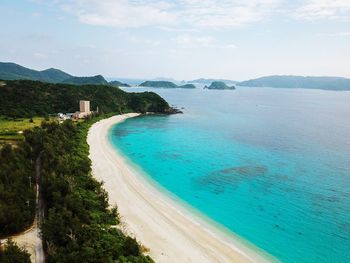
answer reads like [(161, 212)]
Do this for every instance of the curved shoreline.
[(169, 230)]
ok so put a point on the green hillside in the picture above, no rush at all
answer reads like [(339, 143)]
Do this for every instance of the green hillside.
[(94, 80), (116, 83), (40, 99), (12, 71), (55, 75)]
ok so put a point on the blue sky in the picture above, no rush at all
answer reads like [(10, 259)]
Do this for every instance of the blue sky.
[(181, 39)]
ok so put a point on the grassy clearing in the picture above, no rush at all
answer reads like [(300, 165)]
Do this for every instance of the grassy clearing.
[(11, 129)]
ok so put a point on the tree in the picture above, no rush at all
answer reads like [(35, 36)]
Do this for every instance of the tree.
[(11, 253)]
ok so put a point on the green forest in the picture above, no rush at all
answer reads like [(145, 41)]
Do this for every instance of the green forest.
[(26, 98), (17, 192), (78, 224)]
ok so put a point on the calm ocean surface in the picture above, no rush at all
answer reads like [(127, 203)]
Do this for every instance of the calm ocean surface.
[(271, 165)]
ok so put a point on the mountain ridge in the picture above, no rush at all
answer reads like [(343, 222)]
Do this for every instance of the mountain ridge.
[(299, 82), (13, 71)]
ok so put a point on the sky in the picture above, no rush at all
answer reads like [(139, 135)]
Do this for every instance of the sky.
[(180, 39)]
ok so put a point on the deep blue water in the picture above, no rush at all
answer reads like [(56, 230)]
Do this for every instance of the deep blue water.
[(271, 165)]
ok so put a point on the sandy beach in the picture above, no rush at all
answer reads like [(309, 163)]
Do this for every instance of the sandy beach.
[(170, 231)]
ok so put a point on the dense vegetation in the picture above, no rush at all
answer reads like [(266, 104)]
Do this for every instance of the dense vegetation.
[(25, 98), (327, 83), (94, 80), (78, 226), (17, 193), (78, 222), (219, 85), (165, 84), (11, 253)]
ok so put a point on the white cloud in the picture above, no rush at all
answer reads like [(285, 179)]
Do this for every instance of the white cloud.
[(167, 13), (324, 9), (227, 13), (119, 13), (190, 41)]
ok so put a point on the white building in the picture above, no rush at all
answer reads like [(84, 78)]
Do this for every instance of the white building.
[(84, 106)]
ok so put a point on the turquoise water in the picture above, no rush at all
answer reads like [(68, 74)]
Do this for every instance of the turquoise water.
[(271, 165)]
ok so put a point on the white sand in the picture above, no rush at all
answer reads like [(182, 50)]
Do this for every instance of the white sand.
[(172, 232)]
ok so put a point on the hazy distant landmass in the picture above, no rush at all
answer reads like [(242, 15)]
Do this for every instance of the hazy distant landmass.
[(177, 82), (187, 86), (295, 82), (219, 85), (204, 81), (129, 81), (165, 84), (12, 71)]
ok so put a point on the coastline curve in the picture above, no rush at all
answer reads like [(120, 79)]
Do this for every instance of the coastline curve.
[(168, 229)]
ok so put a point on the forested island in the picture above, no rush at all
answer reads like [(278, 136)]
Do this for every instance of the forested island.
[(219, 85), (117, 83), (78, 224), (94, 80), (207, 82), (165, 84)]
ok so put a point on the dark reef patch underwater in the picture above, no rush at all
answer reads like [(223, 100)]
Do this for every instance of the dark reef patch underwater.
[(270, 165)]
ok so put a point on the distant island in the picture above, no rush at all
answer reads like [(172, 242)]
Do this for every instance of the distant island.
[(219, 85), (299, 82), (94, 80), (116, 83), (165, 84), (207, 82)]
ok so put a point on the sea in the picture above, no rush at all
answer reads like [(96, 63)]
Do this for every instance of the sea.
[(270, 165)]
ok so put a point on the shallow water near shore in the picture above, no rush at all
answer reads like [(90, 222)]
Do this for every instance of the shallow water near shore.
[(271, 165)]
